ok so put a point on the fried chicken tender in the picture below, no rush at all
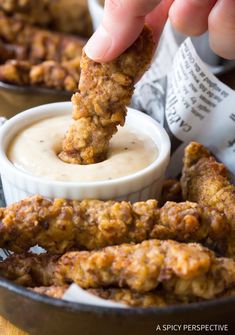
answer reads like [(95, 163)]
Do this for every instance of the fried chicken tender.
[(48, 74), (69, 16), (62, 225), (100, 105), (11, 51), (207, 182), (51, 291), (41, 44), (60, 76), (16, 72), (157, 298), (182, 269), (31, 10)]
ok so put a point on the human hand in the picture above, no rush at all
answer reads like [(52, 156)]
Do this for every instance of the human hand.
[(124, 19), (122, 23), (194, 17)]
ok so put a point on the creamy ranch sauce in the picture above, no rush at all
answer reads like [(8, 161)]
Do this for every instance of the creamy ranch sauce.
[(35, 150)]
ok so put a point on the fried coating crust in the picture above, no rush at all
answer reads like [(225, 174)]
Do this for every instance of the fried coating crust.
[(158, 298), (63, 225), (41, 44), (100, 105), (51, 291), (69, 16), (207, 182), (11, 51), (171, 191), (16, 72), (31, 10), (183, 269), (48, 74), (51, 74)]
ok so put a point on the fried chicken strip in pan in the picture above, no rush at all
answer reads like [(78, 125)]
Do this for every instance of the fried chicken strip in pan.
[(49, 74), (31, 10), (100, 105), (207, 182), (157, 298), (16, 72), (62, 225), (11, 51), (182, 269), (69, 16), (41, 44), (51, 291), (60, 76)]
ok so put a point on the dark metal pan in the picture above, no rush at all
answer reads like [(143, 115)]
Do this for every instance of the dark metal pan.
[(42, 315), (14, 99)]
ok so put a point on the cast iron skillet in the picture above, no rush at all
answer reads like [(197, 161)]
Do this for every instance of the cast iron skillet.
[(15, 99), (42, 315)]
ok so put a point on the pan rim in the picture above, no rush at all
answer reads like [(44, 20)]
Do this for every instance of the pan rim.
[(77, 307), (33, 89)]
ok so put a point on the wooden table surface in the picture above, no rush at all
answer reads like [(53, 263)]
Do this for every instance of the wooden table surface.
[(6, 328)]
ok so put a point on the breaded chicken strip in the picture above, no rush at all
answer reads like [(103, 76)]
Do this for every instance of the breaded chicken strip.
[(11, 51), (51, 291), (69, 16), (60, 76), (41, 44), (33, 11), (100, 105), (183, 269), (48, 74), (207, 182), (16, 72), (157, 298), (62, 225)]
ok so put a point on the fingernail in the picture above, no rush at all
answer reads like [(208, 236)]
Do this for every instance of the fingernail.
[(98, 45)]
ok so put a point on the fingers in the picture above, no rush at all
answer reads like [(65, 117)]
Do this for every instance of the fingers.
[(194, 17), (222, 28), (122, 23), (191, 16), (124, 20), (157, 18)]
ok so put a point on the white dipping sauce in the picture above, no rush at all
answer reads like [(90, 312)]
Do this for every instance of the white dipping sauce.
[(35, 149)]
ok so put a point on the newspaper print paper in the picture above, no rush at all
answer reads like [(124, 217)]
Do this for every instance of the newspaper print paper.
[(181, 93)]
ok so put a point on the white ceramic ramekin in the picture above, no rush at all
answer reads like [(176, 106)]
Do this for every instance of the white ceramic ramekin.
[(141, 185)]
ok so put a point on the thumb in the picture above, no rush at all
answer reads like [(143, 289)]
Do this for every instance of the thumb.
[(122, 23)]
